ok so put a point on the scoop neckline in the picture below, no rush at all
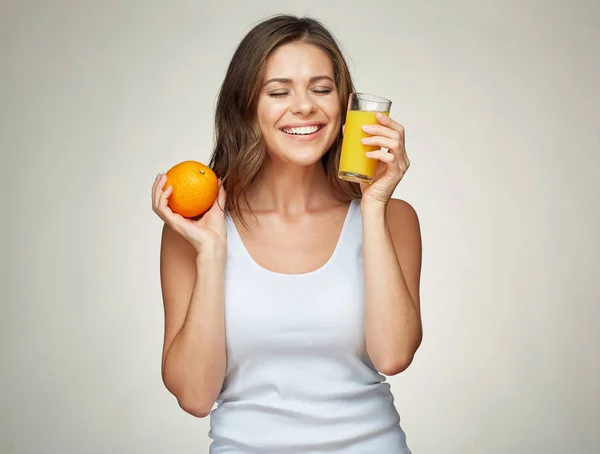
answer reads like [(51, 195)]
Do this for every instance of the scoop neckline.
[(262, 269)]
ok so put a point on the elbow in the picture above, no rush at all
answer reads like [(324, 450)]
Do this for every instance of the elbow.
[(397, 363), (197, 409), (194, 405), (395, 367)]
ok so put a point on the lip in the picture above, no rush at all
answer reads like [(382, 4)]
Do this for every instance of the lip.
[(302, 125), (305, 137)]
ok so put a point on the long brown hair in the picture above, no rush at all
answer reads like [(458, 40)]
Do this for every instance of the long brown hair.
[(239, 150)]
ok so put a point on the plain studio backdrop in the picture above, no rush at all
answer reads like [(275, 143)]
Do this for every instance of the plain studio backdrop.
[(500, 102)]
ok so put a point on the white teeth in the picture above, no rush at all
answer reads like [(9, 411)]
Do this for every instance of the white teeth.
[(302, 131)]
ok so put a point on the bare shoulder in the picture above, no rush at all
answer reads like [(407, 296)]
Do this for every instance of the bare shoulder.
[(402, 217), (174, 246)]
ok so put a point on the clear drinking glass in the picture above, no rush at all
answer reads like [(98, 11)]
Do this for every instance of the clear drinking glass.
[(354, 164)]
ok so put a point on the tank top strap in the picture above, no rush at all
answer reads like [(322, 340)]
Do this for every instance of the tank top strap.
[(349, 249), (237, 255)]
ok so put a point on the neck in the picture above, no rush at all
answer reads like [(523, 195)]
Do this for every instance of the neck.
[(289, 189)]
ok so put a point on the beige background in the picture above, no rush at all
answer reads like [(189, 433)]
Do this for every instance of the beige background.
[(500, 101)]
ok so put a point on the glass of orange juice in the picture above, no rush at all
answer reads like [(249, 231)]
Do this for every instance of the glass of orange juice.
[(354, 164)]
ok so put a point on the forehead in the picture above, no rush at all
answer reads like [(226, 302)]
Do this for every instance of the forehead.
[(298, 60)]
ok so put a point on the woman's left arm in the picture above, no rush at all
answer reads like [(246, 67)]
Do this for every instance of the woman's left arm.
[(391, 256)]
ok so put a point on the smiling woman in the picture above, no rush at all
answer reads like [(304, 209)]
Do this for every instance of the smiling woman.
[(290, 321)]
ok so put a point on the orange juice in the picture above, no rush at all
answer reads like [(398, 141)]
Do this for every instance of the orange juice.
[(353, 159)]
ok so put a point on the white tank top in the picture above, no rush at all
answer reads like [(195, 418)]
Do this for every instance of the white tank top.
[(298, 377)]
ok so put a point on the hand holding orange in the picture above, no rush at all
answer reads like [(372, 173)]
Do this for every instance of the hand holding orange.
[(191, 189), (194, 188)]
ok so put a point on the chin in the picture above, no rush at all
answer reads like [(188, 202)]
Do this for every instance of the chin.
[(302, 156), (309, 160)]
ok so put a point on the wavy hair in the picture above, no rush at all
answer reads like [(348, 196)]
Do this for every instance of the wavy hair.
[(239, 151)]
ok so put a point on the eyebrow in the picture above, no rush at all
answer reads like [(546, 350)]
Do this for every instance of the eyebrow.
[(285, 80)]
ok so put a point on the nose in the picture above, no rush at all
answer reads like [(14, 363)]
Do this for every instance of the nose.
[(302, 104)]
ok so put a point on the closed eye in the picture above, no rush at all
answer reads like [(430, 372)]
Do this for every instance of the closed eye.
[(318, 91)]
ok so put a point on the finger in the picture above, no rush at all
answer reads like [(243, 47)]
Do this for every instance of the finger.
[(164, 197), (158, 190), (384, 142), (154, 184), (383, 131), (168, 215), (395, 167), (388, 121), (161, 203), (381, 155)]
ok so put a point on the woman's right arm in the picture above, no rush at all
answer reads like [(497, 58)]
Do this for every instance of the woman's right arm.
[(192, 272), (194, 352)]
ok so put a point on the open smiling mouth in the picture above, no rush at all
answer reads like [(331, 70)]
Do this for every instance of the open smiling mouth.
[(303, 131)]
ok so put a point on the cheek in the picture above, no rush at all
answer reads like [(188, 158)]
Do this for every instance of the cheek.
[(269, 113), (262, 115), (333, 111)]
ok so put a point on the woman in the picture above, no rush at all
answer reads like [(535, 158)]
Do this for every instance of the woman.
[(286, 307)]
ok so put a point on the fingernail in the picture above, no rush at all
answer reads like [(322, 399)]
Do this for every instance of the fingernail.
[(367, 128), (365, 140), (380, 116)]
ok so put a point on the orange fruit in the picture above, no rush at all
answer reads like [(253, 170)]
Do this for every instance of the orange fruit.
[(195, 188)]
